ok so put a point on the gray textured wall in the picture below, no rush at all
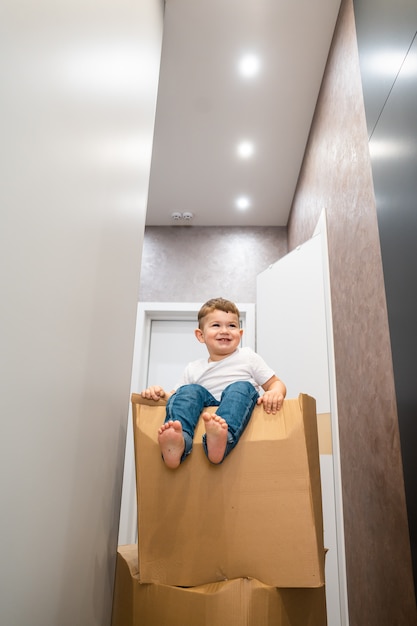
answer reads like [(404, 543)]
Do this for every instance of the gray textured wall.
[(336, 174), (193, 264)]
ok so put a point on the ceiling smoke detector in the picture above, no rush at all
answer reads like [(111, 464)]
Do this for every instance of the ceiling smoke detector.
[(182, 217)]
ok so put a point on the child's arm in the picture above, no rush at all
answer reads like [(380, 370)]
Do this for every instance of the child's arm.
[(275, 392), (156, 393)]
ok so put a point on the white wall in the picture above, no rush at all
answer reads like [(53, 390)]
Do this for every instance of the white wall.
[(79, 82)]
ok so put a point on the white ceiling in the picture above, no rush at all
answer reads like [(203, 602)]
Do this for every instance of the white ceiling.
[(205, 107)]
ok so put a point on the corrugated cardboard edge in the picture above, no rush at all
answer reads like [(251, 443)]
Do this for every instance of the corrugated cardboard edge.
[(308, 407), (123, 596)]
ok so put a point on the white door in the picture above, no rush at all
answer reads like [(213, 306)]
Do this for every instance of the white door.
[(294, 336), (172, 345)]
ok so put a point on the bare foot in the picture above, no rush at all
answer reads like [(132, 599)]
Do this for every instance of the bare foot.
[(216, 431), (172, 444)]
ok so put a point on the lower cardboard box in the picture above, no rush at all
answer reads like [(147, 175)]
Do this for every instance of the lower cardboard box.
[(237, 602)]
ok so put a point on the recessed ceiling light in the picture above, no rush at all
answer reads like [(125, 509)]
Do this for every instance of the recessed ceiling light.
[(245, 149), (243, 203), (249, 65)]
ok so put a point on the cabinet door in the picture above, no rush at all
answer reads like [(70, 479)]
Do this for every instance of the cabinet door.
[(293, 338)]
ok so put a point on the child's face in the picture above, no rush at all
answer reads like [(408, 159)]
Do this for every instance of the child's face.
[(221, 333)]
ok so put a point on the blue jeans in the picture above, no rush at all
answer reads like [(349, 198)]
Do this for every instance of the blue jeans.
[(235, 406)]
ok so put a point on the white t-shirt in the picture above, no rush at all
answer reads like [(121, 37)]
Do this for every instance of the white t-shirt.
[(215, 376)]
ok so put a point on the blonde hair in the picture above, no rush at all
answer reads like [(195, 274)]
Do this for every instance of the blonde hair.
[(219, 304)]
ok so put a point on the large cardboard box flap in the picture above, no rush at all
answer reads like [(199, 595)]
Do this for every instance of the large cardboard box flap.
[(256, 515), (238, 602)]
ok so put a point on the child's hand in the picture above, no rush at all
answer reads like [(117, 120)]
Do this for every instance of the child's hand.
[(272, 401), (153, 393), (274, 395)]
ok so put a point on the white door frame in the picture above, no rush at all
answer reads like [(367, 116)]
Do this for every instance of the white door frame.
[(321, 228), (146, 313)]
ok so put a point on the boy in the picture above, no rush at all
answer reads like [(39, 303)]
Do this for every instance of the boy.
[(230, 379)]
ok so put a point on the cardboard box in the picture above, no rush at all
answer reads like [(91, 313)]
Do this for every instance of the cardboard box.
[(239, 602), (257, 515)]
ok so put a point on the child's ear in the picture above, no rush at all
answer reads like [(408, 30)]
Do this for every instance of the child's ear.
[(199, 334)]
